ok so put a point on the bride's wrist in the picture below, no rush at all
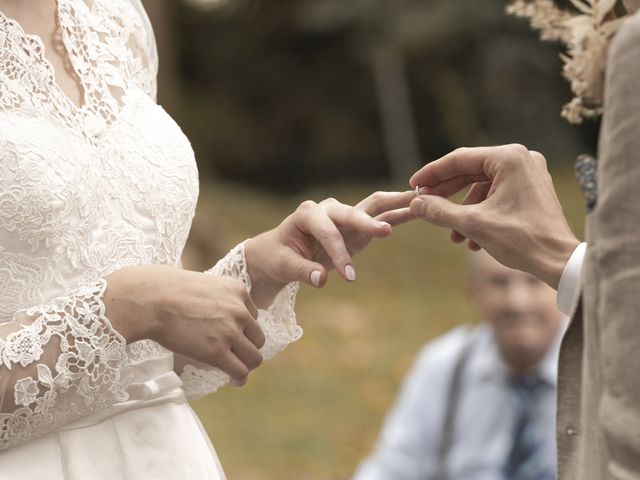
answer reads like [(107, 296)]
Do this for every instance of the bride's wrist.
[(264, 287)]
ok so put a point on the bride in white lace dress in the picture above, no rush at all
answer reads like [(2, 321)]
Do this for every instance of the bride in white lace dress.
[(103, 337)]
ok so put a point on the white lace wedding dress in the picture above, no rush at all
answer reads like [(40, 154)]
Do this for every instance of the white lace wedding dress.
[(85, 191)]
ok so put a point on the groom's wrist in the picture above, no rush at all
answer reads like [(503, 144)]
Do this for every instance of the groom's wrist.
[(557, 255)]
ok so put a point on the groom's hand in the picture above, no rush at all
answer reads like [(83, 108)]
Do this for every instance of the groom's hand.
[(511, 209)]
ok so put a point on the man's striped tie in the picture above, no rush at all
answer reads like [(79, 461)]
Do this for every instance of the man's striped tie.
[(526, 460)]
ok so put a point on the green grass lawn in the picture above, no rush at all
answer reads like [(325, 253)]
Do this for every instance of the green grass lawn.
[(314, 411)]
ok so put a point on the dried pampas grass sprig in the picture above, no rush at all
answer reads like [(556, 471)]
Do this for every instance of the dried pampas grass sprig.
[(586, 34)]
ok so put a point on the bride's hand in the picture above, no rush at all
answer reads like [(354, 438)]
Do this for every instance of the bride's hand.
[(208, 318), (317, 237)]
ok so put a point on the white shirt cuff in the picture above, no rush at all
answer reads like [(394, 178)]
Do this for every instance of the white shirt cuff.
[(570, 286)]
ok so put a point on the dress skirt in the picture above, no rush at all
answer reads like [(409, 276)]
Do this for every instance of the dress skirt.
[(154, 437)]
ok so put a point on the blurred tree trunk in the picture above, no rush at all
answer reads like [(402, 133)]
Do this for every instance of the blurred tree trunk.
[(169, 86), (394, 103)]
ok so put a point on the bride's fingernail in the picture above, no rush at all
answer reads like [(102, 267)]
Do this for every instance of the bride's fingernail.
[(350, 273), (383, 224), (315, 278)]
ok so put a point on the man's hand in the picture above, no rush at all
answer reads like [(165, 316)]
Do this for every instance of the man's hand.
[(511, 209)]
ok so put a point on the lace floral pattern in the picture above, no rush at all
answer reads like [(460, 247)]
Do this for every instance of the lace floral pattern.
[(84, 191), (278, 323), (109, 49), (88, 373)]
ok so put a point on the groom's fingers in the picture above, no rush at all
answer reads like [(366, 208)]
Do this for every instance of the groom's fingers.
[(463, 162), (453, 185), (476, 194), (441, 212), (460, 162)]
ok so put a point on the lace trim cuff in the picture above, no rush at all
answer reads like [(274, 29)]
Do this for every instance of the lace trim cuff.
[(278, 323)]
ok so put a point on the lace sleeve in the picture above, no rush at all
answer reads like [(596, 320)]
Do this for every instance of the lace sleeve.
[(278, 323), (148, 46), (58, 362)]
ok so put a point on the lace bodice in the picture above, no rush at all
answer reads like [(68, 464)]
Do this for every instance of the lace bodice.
[(84, 191)]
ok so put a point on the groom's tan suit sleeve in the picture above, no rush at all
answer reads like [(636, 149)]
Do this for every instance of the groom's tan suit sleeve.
[(599, 378)]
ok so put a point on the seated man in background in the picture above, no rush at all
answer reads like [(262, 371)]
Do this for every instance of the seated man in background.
[(479, 403)]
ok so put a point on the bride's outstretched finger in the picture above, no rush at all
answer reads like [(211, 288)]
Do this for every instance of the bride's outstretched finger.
[(355, 219), (380, 202), (396, 217)]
